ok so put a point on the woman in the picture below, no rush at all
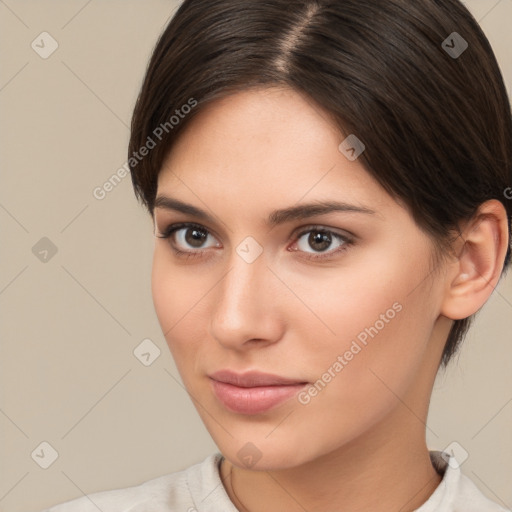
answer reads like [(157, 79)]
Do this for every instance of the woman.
[(328, 184)]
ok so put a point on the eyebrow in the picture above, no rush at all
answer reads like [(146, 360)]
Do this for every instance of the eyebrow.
[(301, 211)]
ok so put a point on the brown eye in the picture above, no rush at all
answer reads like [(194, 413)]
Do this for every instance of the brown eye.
[(319, 242), (186, 237), (195, 237)]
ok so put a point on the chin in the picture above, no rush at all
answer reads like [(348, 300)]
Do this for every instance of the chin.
[(263, 452)]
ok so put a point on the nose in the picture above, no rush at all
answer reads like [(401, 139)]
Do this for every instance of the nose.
[(246, 307)]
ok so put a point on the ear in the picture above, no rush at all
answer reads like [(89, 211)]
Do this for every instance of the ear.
[(474, 273)]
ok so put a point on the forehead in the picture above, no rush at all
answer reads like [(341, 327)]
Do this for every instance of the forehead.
[(261, 146)]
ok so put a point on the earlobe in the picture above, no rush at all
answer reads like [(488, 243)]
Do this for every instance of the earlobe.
[(475, 272)]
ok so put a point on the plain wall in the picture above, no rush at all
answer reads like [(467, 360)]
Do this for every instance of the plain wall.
[(69, 325)]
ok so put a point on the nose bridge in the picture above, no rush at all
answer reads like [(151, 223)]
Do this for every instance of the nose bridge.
[(241, 305), (241, 286)]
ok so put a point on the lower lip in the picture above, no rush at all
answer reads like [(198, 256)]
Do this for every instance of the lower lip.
[(253, 400)]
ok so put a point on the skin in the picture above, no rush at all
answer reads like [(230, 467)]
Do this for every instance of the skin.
[(241, 158)]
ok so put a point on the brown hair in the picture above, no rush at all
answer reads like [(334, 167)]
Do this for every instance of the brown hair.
[(437, 126)]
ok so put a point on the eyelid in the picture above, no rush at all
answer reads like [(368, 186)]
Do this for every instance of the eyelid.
[(171, 228), (321, 227)]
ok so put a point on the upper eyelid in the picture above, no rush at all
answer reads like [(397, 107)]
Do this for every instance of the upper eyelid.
[(183, 225), (320, 227)]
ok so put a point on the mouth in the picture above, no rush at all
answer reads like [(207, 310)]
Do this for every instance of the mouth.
[(253, 392)]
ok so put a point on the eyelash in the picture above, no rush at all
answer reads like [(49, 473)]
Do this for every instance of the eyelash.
[(171, 229)]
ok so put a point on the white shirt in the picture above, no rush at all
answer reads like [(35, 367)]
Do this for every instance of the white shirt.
[(199, 489)]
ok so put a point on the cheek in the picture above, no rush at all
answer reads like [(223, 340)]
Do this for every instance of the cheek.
[(164, 290), (181, 305), (372, 326), (175, 289), (174, 296), (360, 379)]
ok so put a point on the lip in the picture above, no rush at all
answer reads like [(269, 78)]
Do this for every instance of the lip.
[(253, 392)]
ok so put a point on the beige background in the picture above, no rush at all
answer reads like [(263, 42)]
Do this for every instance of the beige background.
[(70, 325)]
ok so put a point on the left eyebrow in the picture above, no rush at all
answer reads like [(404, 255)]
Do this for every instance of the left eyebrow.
[(298, 212), (303, 211)]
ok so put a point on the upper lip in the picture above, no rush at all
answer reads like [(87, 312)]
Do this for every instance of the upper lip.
[(252, 379)]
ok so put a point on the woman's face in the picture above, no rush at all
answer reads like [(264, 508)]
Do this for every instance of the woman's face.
[(342, 303)]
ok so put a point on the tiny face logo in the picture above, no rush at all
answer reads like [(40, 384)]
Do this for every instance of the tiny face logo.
[(44, 250), (455, 455), (249, 454), (352, 147), (455, 45), (249, 249), (44, 455), (146, 352), (44, 45)]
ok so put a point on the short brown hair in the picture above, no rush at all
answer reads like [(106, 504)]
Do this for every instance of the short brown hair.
[(437, 126)]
